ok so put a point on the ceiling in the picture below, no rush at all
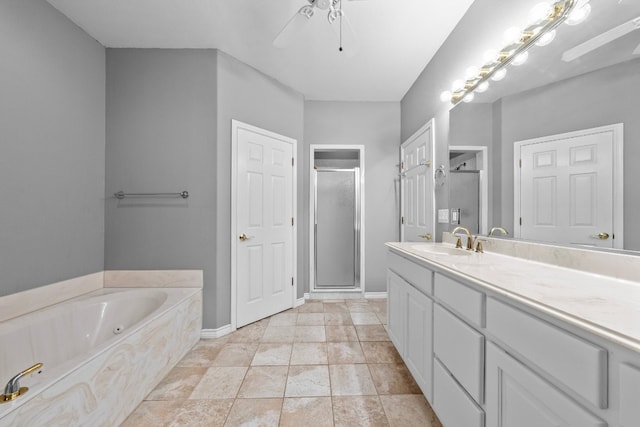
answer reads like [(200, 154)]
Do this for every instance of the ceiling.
[(397, 38)]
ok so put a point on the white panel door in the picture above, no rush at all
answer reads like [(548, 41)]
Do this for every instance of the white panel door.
[(417, 208), (567, 190), (264, 225)]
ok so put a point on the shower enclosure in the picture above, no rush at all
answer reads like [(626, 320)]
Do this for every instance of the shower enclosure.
[(336, 219)]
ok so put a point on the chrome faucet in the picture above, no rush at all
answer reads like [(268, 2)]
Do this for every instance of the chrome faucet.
[(12, 390), (500, 229), (469, 237)]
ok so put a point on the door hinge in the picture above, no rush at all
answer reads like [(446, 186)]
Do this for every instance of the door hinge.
[(292, 161), (291, 220), (402, 220), (291, 280), (520, 220), (520, 163), (402, 165)]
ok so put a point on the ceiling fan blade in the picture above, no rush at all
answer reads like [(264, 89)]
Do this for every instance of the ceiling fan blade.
[(347, 37), (288, 33)]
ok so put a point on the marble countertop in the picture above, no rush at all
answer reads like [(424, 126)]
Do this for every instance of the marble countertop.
[(603, 305)]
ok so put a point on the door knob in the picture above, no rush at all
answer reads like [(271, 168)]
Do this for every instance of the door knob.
[(425, 236), (243, 237), (603, 236)]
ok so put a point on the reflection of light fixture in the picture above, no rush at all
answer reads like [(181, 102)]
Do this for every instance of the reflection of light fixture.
[(542, 31)]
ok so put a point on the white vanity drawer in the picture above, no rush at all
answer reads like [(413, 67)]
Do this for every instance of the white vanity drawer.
[(451, 404), (461, 349), (465, 301), (578, 364), (420, 277)]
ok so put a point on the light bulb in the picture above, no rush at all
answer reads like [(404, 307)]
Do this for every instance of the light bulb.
[(468, 97), (546, 38), (540, 12), (490, 56), (520, 59), (445, 96), (512, 35), (457, 84), (482, 87), (499, 75), (579, 15), (472, 73)]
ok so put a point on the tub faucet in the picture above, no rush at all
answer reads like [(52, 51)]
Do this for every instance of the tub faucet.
[(500, 229), (12, 390), (469, 237)]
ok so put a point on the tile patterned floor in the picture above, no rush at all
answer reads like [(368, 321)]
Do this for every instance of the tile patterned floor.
[(326, 363)]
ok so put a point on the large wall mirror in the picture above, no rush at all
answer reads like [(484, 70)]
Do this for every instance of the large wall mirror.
[(586, 80)]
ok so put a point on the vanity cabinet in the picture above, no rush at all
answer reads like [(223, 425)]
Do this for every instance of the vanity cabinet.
[(410, 318), (517, 397), (629, 389)]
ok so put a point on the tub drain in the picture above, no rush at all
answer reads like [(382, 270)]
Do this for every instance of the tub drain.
[(118, 329)]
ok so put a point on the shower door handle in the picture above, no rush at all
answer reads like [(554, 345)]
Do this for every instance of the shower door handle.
[(425, 236)]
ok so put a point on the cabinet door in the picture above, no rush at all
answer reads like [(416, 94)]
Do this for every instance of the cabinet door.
[(418, 344), (396, 296), (517, 397)]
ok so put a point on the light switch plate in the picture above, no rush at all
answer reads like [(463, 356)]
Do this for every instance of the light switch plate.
[(443, 216)]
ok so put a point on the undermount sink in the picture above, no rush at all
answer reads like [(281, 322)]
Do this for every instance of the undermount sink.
[(441, 250)]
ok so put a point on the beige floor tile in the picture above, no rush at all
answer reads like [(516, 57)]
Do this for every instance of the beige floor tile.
[(178, 384), (250, 333), (308, 381), (236, 354), (310, 334), (351, 380), (309, 354), (336, 307), (310, 319), (219, 383), (407, 410), (383, 317), (279, 334), (345, 352), (272, 354), (264, 381), (372, 333), (283, 319), (202, 354), (359, 306), (361, 411), (393, 379), (366, 318), (307, 411), (378, 305), (187, 413), (311, 307), (255, 412), (341, 333), (380, 352), (342, 318), (334, 300)]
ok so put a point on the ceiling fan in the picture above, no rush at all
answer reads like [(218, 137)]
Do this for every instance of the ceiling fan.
[(335, 16)]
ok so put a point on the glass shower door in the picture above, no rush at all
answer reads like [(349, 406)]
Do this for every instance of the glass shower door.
[(337, 228)]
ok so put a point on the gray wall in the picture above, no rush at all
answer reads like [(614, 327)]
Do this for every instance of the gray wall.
[(376, 125), (249, 96), (52, 127), (599, 98), (161, 137)]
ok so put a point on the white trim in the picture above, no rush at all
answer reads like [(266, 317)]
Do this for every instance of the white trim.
[(618, 175), (375, 295), (312, 149), (209, 334), (484, 182), (235, 125), (427, 127), (335, 295), (299, 302)]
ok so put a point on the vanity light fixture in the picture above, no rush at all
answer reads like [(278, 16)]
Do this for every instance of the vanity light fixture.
[(546, 18)]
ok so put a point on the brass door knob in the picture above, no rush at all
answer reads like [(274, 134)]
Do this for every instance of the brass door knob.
[(243, 237), (603, 236), (425, 236)]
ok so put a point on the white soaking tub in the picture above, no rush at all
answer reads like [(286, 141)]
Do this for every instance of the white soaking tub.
[(102, 353)]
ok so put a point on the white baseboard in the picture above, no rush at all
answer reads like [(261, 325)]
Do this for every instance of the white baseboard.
[(299, 301), (375, 295), (209, 334)]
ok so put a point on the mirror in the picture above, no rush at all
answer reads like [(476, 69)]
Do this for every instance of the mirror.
[(588, 77)]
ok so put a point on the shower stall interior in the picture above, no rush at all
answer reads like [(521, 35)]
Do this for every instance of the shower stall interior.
[(336, 218)]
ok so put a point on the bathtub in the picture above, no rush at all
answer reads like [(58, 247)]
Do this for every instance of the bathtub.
[(102, 353)]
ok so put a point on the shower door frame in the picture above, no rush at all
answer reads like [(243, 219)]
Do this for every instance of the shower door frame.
[(360, 287)]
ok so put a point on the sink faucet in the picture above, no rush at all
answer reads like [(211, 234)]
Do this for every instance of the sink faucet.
[(12, 390), (469, 237), (500, 229)]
